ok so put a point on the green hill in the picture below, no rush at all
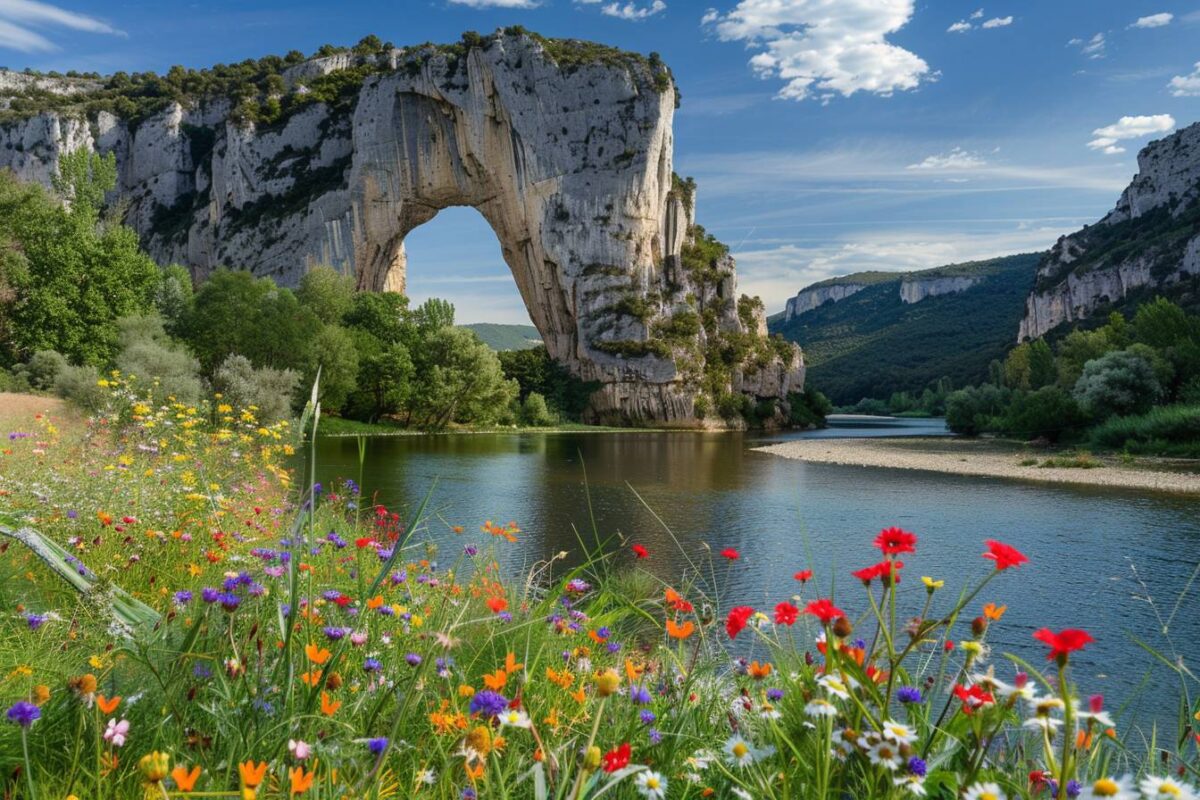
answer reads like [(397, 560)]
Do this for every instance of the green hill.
[(506, 337), (872, 344)]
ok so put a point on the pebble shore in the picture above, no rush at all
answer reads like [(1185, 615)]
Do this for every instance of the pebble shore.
[(982, 458)]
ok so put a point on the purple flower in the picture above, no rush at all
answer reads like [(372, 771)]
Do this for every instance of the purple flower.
[(372, 665), (488, 703), (72, 514), (647, 716), (335, 633), (471, 550), (230, 601), (23, 713), (468, 794), (35, 621), (183, 597), (504, 616), (639, 695), (908, 694), (613, 647), (413, 659), (654, 736), (774, 695), (377, 745), (916, 766)]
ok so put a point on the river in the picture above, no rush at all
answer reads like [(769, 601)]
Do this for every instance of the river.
[(1113, 562)]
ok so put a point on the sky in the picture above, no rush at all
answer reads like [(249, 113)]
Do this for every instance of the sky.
[(826, 136)]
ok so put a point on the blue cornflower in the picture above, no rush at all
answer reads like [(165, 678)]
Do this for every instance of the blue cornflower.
[(377, 745), (647, 716), (916, 766), (908, 694), (488, 703), (23, 713), (372, 665)]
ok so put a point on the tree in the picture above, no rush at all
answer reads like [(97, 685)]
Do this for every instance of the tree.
[(433, 314), (1161, 324), (327, 293), (1117, 383), (384, 380), (1048, 413), (333, 352), (534, 411), (458, 378), (74, 279), (1076, 349), (535, 371), (382, 314), (174, 296), (973, 410), (1030, 365), (221, 321), (83, 179)]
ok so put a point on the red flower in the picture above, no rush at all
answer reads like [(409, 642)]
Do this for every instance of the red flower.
[(737, 619), (363, 541), (824, 610), (894, 540), (342, 600), (640, 551), (804, 575), (731, 554), (887, 571), (1004, 555), (972, 697), (1065, 641), (786, 613), (617, 759)]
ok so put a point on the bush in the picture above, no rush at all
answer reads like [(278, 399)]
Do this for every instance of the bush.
[(43, 369), (973, 410), (11, 382), (1118, 383), (267, 389), (535, 371), (1049, 412), (80, 385), (148, 354), (534, 411), (1168, 430), (808, 409)]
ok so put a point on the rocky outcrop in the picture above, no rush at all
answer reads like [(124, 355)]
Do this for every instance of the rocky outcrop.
[(914, 288), (1149, 241), (565, 148), (816, 296)]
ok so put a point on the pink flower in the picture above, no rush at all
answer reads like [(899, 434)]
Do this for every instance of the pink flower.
[(116, 732), (300, 750)]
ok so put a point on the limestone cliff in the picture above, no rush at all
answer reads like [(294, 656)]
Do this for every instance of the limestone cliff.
[(565, 148), (816, 296), (1150, 242), (915, 287)]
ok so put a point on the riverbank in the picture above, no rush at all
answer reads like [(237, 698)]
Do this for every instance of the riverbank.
[(993, 459)]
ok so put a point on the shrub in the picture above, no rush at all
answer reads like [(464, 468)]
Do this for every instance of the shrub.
[(1048, 412), (808, 409), (1168, 430), (1117, 383), (80, 385), (150, 355), (973, 410), (13, 382), (43, 369), (269, 390), (534, 411)]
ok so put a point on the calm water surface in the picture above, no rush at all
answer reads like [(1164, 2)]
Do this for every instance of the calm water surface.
[(1096, 554)]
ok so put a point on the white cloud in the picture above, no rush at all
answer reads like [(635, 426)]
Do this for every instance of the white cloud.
[(710, 16), (1092, 48), (18, 17), (821, 48), (977, 14), (997, 22), (962, 26), (1129, 128), (496, 3), (633, 11), (957, 158), (1154, 21), (1186, 85)]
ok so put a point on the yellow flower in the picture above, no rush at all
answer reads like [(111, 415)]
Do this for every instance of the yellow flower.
[(607, 683), (155, 766), (931, 584)]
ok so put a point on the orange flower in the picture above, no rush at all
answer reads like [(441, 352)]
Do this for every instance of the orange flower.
[(677, 631), (329, 707), (316, 654), (496, 680), (184, 780), (993, 611), (511, 665), (300, 780), (579, 696), (252, 774), (632, 671), (106, 705), (375, 602), (497, 604), (474, 773), (311, 678), (759, 671)]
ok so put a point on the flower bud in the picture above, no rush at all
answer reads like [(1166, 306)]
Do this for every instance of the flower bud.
[(607, 683), (979, 626), (591, 759), (155, 766), (842, 628)]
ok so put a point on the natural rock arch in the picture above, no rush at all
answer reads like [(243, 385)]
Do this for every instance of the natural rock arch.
[(565, 148)]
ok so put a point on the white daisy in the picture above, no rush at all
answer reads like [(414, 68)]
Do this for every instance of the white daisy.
[(1166, 789), (820, 708), (884, 754), (1049, 724), (515, 718), (984, 791), (899, 732), (1110, 789), (651, 784), (913, 783), (742, 754), (835, 686)]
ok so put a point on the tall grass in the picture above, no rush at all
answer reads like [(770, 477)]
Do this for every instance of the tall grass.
[(1165, 430)]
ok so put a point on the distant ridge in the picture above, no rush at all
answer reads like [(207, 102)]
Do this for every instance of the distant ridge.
[(870, 334), (499, 336)]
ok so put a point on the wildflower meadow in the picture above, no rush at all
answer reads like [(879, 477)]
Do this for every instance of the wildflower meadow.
[(187, 614)]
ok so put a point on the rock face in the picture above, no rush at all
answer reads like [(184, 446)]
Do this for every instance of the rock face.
[(914, 289), (569, 159), (1150, 241), (816, 296)]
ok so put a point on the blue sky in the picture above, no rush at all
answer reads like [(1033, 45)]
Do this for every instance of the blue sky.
[(827, 136)]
